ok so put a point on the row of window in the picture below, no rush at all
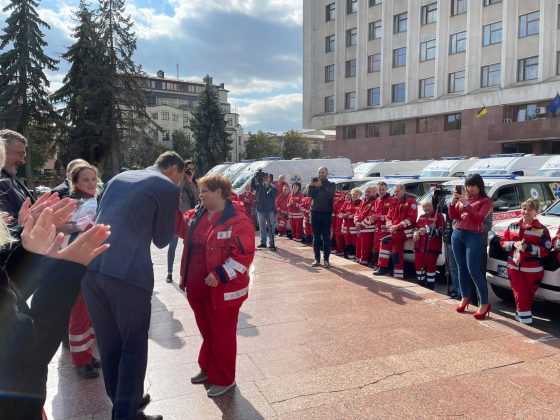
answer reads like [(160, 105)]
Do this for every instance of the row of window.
[(165, 116), (398, 127), (491, 34)]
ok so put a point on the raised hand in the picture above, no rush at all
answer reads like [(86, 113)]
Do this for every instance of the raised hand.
[(84, 249), (38, 235)]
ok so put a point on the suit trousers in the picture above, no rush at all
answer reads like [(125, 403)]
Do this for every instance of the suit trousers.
[(321, 226), (121, 317)]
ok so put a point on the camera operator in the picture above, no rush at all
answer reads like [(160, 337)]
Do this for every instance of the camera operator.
[(266, 200), (322, 191)]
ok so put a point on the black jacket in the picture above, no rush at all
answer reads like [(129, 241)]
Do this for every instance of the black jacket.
[(266, 196), (323, 196), (63, 189), (13, 193), (30, 336)]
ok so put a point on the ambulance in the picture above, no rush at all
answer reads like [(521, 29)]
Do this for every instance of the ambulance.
[(551, 167), (381, 168), (219, 169), (448, 166), (508, 164), (295, 170), (235, 169)]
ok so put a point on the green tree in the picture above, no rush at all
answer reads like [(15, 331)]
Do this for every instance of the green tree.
[(24, 101), (83, 93), (294, 145), (212, 143), (261, 145), (181, 143)]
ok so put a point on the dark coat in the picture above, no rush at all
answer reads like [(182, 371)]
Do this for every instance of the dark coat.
[(323, 196), (266, 196), (13, 193), (63, 189)]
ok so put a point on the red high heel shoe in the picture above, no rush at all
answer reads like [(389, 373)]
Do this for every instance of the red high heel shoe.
[(484, 315), (461, 309)]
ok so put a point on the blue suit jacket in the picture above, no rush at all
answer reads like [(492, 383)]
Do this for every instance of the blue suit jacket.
[(140, 206)]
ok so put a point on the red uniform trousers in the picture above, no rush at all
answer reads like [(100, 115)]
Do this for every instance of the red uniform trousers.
[(307, 229), (392, 246), (80, 333), (281, 220), (524, 286), (377, 238), (364, 246), (218, 328), (350, 240), (297, 227), (426, 272)]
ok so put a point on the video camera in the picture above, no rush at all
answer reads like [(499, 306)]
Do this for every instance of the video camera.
[(439, 194), (260, 175)]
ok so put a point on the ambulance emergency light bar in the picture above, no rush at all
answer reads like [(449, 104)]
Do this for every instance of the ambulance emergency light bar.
[(403, 176), (509, 176), (499, 155), (453, 158)]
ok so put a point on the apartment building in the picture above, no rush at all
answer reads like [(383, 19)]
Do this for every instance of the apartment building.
[(170, 103), (406, 79)]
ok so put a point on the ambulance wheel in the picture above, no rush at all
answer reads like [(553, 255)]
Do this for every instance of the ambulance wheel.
[(503, 293)]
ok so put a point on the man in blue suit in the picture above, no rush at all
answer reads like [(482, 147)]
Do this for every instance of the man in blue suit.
[(140, 206)]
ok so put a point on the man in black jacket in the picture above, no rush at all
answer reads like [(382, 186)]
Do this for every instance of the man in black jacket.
[(266, 199), (322, 191)]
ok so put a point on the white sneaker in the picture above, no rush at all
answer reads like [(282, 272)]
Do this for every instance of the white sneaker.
[(315, 264)]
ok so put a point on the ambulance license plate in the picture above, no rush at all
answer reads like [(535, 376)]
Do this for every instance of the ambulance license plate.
[(502, 271)]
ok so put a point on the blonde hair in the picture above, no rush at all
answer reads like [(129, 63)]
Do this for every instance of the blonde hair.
[(356, 190), (427, 202), (532, 203), (5, 236)]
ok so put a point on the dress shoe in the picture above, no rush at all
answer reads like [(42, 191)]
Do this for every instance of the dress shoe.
[(272, 248), (144, 401), (95, 363), (327, 264), (199, 378), (142, 416), (169, 278), (383, 271), (261, 246), (217, 390), (483, 315), (315, 263), (461, 308), (87, 372)]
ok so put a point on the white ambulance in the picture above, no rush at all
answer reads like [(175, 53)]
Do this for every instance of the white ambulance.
[(235, 169), (381, 168), (551, 167), (219, 169), (448, 166), (508, 164)]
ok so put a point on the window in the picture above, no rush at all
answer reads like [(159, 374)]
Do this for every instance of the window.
[(372, 130), (527, 69), (329, 103), (399, 57), (165, 116), (429, 14), (396, 128), (374, 96), (492, 34), (374, 63), (329, 43), (399, 92), (490, 2), (529, 24), (375, 2), (453, 122), (351, 6), (526, 112), (424, 125), (350, 100), (400, 22), (155, 116), (351, 37), (185, 120), (349, 132), (427, 88), (456, 82), (330, 12), (540, 190), (329, 73), (508, 197), (490, 75), (428, 50), (175, 117), (458, 7), (375, 30), (351, 68), (458, 42)]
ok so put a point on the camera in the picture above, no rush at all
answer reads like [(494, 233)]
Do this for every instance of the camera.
[(439, 194), (260, 175), (315, 179), (188, 172)]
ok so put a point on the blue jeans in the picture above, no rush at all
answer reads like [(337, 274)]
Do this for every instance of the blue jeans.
[(171, 254), (262, 216), (453, 272), (467, 248)]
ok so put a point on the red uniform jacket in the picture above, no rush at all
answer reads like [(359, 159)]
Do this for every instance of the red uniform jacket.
[(382, 207), (556, 244), (538, 243), (339, 201), (295, 205), (472, 216), (229, 252), (248, 198), (403, 213), (282, 205), (350, 207), (306, 207), (366, 209), (434, 229)]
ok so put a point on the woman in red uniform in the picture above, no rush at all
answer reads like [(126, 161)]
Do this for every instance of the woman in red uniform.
[(248, 197), (339, 200), (527, 242), (383, 204), (307, 232), (219, 246), (282, 209), (351, 233), (295, 211)]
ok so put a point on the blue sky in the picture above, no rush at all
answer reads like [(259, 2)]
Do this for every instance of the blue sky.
[(253, 46)]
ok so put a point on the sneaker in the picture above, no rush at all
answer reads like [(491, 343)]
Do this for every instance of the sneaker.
[(95, 363), (169, 278), (327, 264), (315, 264), (217, 390), (272, 248), (383, 271), (87, 372), (261, 246), (199, 378)]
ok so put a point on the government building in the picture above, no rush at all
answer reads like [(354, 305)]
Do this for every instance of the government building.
[(410, 79)]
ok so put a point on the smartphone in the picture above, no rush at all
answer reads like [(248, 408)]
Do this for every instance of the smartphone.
[(459, 189)]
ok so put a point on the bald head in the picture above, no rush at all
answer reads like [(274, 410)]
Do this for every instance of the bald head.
[(323, 172)]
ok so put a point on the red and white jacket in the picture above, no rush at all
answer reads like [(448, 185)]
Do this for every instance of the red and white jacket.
[(366, 209), (434, 230), (339, 201), (229, 252), (538, 243), (382, 207), (403, 214), (282, 205), (472, 215), (295, 205), (350, 207)]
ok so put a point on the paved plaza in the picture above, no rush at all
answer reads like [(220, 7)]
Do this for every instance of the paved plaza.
[(334, 344)]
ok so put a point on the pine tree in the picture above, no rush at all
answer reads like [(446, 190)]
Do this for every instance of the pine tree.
[(212, 143), (181, 144), (24, 101), (126, 118), (83, 93)]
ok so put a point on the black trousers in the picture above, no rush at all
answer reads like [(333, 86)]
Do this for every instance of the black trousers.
[(121, 315), (321, 227)]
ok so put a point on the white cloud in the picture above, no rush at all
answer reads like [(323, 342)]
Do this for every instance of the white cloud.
[(277, 113)]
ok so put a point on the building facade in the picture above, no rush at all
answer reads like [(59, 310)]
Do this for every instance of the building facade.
[(405, 79), (170, 102)]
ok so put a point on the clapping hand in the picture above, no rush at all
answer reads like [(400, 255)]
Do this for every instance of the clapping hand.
[(62, 209), (5, 216)]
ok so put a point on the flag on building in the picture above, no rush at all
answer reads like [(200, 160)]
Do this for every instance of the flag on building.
[(482, 112), (555, 104)]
